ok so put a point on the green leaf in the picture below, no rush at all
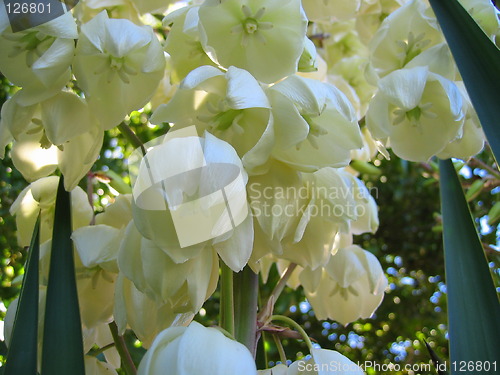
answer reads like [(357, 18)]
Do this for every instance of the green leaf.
[(478, 61), (494, 214), (22, 355), (62, 351), (473, 307)]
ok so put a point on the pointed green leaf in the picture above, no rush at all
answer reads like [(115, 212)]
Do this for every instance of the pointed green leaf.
[(62, 351), (478, 61), (438, 363), (473, 307), (22, 355)]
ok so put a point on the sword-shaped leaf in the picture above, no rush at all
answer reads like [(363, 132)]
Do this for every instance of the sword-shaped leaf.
[(62, 351), (473, 307), (22, 354), (478, 61)]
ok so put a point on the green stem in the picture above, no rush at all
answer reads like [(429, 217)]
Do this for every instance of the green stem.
[(276, 292), (131, 136), (121, 347), (227, 299), (281, 351), (264, 337), (298, 328), (246, 287), (98, 351), (282, 282)]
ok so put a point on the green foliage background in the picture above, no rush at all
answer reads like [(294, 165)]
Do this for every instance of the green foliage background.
[(408, 245)]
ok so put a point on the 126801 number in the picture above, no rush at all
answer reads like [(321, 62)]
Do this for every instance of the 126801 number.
[(27, 8)]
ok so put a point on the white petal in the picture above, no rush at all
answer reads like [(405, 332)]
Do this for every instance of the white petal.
[(345, 267), (65, 116), (54, 61), (404, 87), (325, 357), (98, 245), (217, 353), (129, 257), (31, 160), (236, 250), (243, 90)]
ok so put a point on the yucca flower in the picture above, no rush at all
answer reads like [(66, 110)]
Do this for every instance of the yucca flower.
[(416, 112), (196, 350), (38, 59), (350, 286), (265, 37), (118, 66)]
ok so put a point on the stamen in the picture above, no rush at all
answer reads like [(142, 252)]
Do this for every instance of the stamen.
[(260, 13), (246, 11)]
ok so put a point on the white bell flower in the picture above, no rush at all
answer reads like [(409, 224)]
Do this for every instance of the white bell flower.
[(41, 196), (365, 208), (403, 35), (472, 139), (203, 186), (299, 215), (146, 317), (184, 286), (38, 59), (196, 350), (231, 106), (350, 286), (118, 65), (340, 40), (57, 132), (315, 124), (184, 44), (95, 285), (265, 37), (98, 244), (417, 112), (352, 69), (371, 14)]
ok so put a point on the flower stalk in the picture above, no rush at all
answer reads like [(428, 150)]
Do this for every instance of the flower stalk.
[(296, 326), (227, 299), (246, 286), (121, 347)]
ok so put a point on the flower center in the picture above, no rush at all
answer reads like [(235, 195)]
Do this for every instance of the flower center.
[(413, 115), (315, 131), (113, 65), (344, 292), (34, 43), (411, 47), (222, 117), (250, 25)]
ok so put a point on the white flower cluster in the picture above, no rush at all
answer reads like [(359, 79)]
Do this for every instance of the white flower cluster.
[(277, 88)]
